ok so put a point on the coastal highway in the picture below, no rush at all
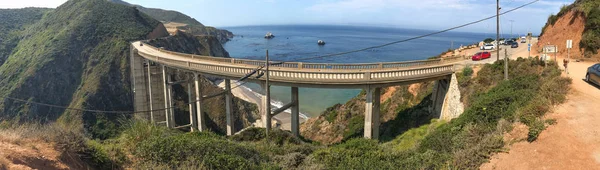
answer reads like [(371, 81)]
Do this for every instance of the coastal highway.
[(513, 53)]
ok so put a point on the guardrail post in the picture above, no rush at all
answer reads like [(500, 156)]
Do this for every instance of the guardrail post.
[(300, 65), (380, 65), (232, 60)]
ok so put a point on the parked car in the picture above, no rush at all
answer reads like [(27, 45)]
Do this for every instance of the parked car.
[(514, 45), (481, 55), (593, 74), (487, 47), (509, 42)]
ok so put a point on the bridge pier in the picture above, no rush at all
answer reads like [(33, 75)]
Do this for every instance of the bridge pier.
[(199, 112), (228, 109), (193, 124), (372, 112), (446, 98), (138, 82), (168, 90)]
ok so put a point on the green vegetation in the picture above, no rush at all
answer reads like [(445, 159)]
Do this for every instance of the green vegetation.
[(489, 40), (76, 55), (12, 24)]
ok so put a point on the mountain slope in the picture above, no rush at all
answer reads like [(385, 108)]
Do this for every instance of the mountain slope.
[(12, 23), (76, 56), (185, 22)]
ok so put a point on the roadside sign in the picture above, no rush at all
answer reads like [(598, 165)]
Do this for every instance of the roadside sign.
[(529, 48), (550, 49), (569, 44), (528, 45)]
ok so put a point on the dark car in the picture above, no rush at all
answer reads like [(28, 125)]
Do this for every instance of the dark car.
[(514, 45), (481, 56), (509, 42), (593, 74)]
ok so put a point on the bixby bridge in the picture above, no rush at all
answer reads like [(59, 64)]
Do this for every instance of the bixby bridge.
[(152, 69)]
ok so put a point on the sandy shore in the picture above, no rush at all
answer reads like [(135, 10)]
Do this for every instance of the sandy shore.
[(244, 93)]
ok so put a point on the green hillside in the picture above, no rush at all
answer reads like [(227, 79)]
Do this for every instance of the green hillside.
[(77, 56), (12, 24)]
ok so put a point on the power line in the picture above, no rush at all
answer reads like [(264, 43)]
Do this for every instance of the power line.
[(277, 63)]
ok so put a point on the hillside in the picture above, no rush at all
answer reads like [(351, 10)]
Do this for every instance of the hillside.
[(402, 108), (579, 22), (185, 22), (77, 56), (12, 23)]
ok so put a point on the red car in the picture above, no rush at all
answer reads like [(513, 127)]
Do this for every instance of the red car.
[(481, 56)]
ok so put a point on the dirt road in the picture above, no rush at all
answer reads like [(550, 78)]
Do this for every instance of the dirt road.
[(572, 143)]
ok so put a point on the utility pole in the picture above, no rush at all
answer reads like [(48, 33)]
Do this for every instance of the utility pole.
[(511, 27), (497, 29), (267, 105), (505, 65)]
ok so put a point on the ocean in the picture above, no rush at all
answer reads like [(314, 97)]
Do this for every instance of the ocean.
[(295, 42)]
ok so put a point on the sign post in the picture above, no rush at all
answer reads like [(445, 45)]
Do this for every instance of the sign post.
[(529, 50)]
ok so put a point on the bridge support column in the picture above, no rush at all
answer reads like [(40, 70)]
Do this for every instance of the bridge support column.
[(295, 113), (372, 112), (150, 105), (138, 84), (228, 110), (168, 98), (446, 99), (265, 109), (193, 123), (199, 112)]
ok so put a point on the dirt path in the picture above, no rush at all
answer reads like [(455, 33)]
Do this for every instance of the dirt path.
[(572, 143)]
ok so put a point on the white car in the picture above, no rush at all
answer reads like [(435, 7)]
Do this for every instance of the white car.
[(487, 47)]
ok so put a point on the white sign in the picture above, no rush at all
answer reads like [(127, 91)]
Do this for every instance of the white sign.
[(569, 44), (550, 49)]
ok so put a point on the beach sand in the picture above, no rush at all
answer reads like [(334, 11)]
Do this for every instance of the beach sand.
[(282, 119)]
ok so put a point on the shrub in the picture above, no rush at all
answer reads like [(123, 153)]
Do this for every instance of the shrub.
[(213, 152), (467, 71), (535, 129)]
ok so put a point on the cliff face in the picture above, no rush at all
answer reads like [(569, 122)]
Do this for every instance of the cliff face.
[(402, 107), (244, 113), (579, 22), (183, 22), (187, 43), (76, 56)]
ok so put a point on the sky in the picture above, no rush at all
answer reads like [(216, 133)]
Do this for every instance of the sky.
[(415, 14)]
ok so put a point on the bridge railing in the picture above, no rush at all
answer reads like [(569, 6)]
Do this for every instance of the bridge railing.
[(320, 66), (309, 75)]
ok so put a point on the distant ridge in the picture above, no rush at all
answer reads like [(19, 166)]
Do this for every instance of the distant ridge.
[(192, 27)]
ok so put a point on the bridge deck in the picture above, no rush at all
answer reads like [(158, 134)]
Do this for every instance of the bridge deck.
[(300, 74)]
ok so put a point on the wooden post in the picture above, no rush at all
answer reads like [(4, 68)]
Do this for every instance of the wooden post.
[(295, 112), (228, 114), (266, 102)]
